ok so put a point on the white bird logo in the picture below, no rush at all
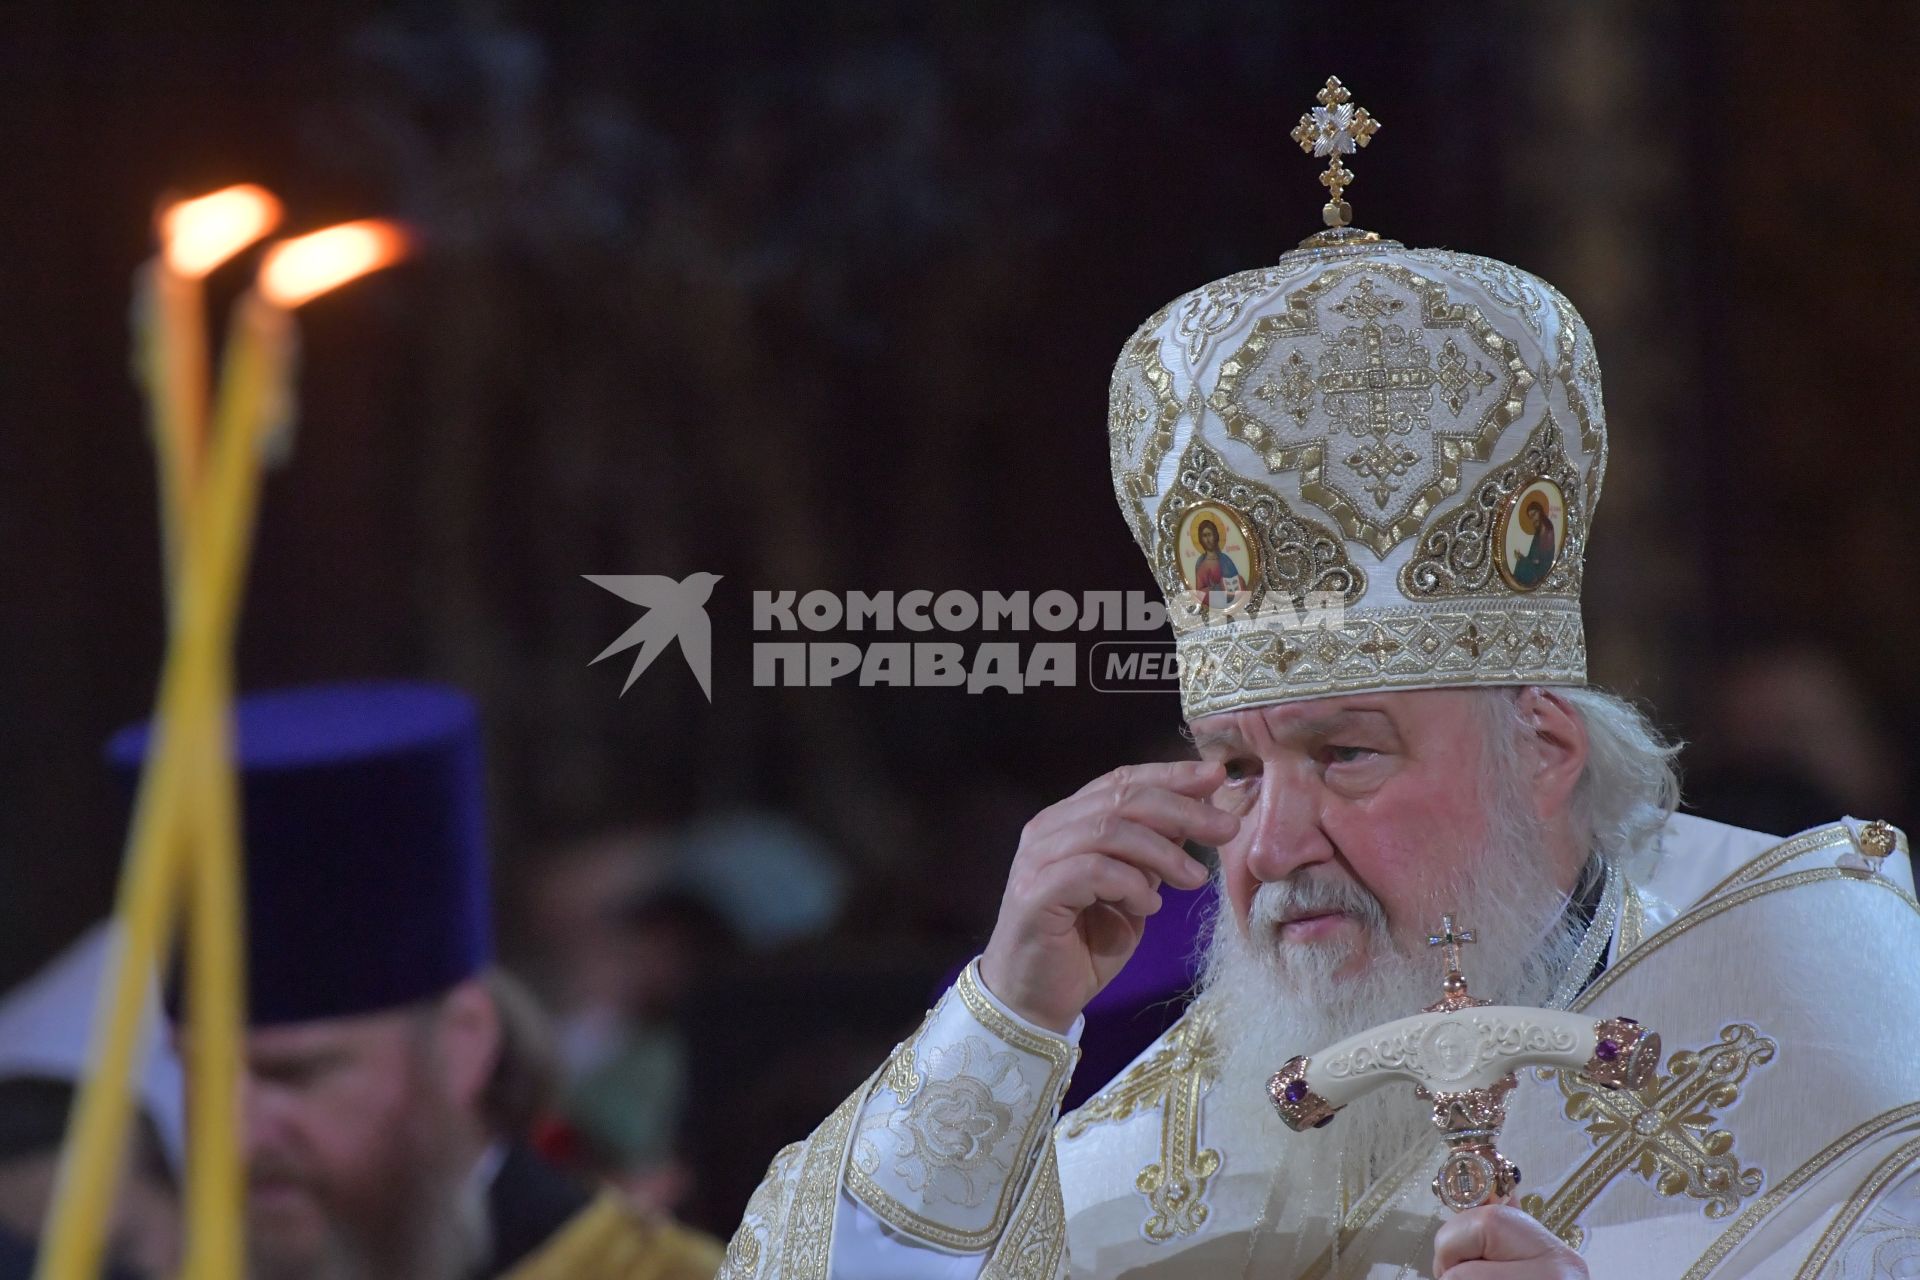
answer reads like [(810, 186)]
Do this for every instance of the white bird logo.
[(674, 610)]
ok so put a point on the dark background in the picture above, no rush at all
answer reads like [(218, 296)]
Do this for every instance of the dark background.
[(827, 296)]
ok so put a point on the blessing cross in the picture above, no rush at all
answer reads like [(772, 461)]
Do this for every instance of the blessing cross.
[(1454, 986), (1335, 128), (1451, 938), (1462, 1056)]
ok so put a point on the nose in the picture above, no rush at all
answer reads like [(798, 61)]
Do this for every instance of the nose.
[(1286, 830), (262, 1119)]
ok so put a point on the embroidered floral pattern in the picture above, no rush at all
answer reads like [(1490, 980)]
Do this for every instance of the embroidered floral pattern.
[(946, 1161), (951, 1132)]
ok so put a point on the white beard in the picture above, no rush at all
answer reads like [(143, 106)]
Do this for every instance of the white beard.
[(1274, 999)]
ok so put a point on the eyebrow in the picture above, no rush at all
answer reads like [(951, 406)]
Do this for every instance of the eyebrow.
[(1321, 727), (1339, 722), (1216, 738)]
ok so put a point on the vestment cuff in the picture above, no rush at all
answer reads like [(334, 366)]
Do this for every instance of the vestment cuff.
[(954, 1124)]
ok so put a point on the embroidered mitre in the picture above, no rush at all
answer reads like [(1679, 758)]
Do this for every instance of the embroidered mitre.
[(1364, 467)]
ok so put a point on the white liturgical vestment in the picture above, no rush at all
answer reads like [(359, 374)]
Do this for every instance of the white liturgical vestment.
[(1779, 1137)]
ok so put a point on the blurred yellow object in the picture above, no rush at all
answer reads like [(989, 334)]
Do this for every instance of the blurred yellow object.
[(611, 1239)]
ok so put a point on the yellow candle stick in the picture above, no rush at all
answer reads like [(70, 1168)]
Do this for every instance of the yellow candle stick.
[(186, 826), (170, 317), (189, 763), (255, 391), (196, 237)]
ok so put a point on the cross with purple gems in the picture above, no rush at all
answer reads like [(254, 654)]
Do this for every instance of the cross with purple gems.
[(1451, 938)]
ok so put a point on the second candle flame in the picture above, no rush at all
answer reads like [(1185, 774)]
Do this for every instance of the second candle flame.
[(297, 271)]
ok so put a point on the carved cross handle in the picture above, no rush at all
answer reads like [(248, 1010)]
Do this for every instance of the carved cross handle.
[(1460, 1056)]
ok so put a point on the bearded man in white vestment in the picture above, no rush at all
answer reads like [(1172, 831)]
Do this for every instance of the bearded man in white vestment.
[(1418, 436)]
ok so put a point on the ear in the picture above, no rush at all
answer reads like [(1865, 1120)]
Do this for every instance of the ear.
[(470, 1039), (1559, 740)]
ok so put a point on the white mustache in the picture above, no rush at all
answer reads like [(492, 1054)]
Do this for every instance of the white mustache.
[(1279, 901)]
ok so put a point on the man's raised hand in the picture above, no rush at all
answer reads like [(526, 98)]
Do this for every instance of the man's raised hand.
[(1086, 877)]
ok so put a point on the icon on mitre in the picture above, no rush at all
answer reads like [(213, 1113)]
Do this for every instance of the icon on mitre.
[(1218, 562)]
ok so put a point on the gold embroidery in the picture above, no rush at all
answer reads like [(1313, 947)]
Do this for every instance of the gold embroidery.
[(945, 1132), (742, 1261), (1664, 1132), (902, 1072), (1579, 374), (1633, 920), (1173, 1081), (1206, 312), (1779, 855), (1744, 1225), (1033, 1245), (1456, 372), (951, 1127), (1836, 1231), (608, 1238), (1295, 555), (1457, 555), (1832, 836), (1524, 640), (1140, 399), (1055, 1050), (762, 1218), (1376, 382), (1508, 286), (808, 1243)]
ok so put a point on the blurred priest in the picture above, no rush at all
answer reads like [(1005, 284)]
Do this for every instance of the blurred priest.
[(392, 1073)]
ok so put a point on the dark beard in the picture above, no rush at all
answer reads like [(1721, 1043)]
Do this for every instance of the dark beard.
[(422, 1217)]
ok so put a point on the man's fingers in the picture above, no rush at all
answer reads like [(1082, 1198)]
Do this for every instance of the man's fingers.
[(1202, 783), (1498, 1233), (1084, 820), (1178, 774), (1081, 881), (1179, 817), (1115, 837), (1480, 1271)]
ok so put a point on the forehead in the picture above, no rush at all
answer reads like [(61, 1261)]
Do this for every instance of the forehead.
[(1396, 712), (366, 1033)]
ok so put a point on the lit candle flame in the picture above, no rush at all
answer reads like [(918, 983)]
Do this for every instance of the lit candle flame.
[(202, 233), (299, 270)]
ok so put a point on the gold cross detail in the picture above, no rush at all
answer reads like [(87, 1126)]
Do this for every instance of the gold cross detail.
[(1335, 128)]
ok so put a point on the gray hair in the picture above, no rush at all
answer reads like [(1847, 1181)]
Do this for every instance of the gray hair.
[(1631, 784)]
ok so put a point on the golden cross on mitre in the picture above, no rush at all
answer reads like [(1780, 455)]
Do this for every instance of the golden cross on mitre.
[(1335, 128)]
